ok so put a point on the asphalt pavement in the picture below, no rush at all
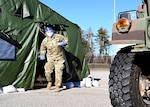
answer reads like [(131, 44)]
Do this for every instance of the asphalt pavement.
[(74, 97)]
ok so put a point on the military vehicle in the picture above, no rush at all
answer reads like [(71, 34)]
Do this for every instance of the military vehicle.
[(129, 78)]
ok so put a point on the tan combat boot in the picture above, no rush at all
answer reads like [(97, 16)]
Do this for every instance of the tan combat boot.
[(49, 85), (57, 89)]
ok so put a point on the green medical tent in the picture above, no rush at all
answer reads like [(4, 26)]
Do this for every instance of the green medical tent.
[(20, 32)]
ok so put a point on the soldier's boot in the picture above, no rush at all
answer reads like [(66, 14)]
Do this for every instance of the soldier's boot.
[(57, 89), (49, 85)]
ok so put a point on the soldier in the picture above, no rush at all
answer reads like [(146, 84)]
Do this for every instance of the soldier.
[(51, 46)]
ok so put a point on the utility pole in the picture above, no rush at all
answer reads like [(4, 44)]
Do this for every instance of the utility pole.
[(115, 46), (114, 11)]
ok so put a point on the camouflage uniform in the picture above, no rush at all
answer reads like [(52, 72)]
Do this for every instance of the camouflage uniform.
[(54, 54)]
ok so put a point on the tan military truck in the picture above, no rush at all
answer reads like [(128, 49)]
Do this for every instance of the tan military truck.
[(129, 79)]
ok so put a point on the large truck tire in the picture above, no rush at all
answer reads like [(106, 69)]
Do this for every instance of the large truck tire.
[(124, 81)]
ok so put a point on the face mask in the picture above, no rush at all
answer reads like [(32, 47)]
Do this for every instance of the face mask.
[(50, 34)]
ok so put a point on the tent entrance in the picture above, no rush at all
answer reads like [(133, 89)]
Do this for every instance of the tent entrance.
[(40, 80)]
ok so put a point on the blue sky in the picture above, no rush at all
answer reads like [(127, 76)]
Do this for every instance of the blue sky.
[(91, 13)]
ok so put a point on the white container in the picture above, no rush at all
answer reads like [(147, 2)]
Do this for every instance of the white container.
[(88, 82), (83, 82), (9, 89), (20, 89), (95, 83)]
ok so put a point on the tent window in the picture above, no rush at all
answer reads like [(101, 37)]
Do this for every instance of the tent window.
[(7, 50)]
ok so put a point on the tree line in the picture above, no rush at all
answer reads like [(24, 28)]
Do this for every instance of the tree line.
[(96, 46)]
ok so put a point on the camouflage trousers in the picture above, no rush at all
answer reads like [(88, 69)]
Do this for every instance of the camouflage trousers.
[(57, 66)]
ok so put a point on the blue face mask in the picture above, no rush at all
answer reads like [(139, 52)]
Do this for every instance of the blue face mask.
[(50, 34)]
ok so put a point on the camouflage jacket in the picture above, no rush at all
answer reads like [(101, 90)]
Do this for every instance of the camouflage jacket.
[(49, 46)]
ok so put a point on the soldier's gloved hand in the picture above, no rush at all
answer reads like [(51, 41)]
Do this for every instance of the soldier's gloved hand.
[(42, 57), (62, 43)]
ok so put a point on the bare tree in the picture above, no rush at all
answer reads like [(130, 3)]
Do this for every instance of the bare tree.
[(88, 44)]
